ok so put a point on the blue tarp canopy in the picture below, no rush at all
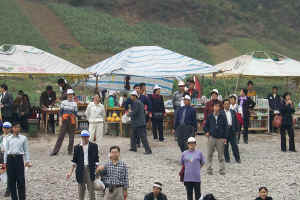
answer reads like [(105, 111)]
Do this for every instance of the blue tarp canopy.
[(149, 64)]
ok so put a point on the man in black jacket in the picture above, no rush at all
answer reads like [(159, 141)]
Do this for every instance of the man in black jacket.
[(232, 129), (215, 129), (6, 104), (85, 160), (185, 123), (156, 193), (274, 103)]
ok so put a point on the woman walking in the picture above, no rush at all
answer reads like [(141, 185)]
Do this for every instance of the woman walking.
[(158, 113), (95, 114), (287, 110)]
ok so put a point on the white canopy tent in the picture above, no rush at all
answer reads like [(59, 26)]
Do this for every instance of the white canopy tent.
[(250, 65), (19, 60), (149, 64)]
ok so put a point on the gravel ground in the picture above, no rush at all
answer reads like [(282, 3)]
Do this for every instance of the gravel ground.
[(263, 164)]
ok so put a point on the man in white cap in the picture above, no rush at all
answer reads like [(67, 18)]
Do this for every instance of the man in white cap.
[(6, 129), (67, 121), (156, 193), (85, 160), (209, 107), (177, 99), (193, 161), (138, 124), (185, 124)]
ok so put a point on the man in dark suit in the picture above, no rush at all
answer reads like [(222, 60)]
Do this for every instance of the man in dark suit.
[(274, 103), (232, 129), (47, 99), (6, 104), (246, 103), (185, 124), (85, 160)]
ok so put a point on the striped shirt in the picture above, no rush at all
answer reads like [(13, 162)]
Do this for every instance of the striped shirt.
[(68, 107)]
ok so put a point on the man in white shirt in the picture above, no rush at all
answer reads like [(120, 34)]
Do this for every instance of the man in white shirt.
[(85, 160), (95, 114), (231, 132)]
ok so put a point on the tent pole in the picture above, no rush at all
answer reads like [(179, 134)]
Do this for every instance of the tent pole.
[(97, 82), (237, 84)]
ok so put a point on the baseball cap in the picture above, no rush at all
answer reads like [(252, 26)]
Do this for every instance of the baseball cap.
[(187, 97), (70, 91), (85, 133), (6, 125), (191, 140)]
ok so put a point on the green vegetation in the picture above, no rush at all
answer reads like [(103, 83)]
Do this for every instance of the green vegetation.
[(16, 28), (101, 32)]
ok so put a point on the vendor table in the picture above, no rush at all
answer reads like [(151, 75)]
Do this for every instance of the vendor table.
[(119, 110), (46, 113)]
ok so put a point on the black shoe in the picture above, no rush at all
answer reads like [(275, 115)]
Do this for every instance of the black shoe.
[(222, 173), (148, 153), (162, 140), (238, 161), (283, 150), (293, 150), (7, 193), (134, 150), (228, 161), (53, 154)]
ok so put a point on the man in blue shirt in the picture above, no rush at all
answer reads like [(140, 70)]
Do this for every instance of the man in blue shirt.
[(16, 151), (185, 124)]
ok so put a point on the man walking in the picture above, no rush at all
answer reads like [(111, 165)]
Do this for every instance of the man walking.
[(193, 161), (6, 104), (232, 129), (215, 129), (274, 103), (16, 151), (115, 176), (138, 124), (85, 160), (185, 124)]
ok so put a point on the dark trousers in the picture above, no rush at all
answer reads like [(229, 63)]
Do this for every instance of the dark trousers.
[(245, 131), (183, 132), (16, 177), (193, 186), (141, 133), (290, 131), (67, 127), (157, 125), (235, 149)]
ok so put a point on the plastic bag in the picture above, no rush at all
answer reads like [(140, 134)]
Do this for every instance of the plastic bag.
[(99, 185), (125, 119)]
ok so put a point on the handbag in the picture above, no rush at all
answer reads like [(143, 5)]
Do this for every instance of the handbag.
[(277, 121), (239, 118), (181, 173)]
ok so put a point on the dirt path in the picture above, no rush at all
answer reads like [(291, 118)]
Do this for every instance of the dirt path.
[(59, 38)]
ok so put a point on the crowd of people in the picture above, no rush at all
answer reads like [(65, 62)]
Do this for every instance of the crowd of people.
[(224, 121)]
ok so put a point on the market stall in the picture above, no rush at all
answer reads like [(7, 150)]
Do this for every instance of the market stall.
[(28, 61), (149, 64), (259, 64)]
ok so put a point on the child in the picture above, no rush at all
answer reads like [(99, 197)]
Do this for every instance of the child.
[(6, 128), (263, 194)]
